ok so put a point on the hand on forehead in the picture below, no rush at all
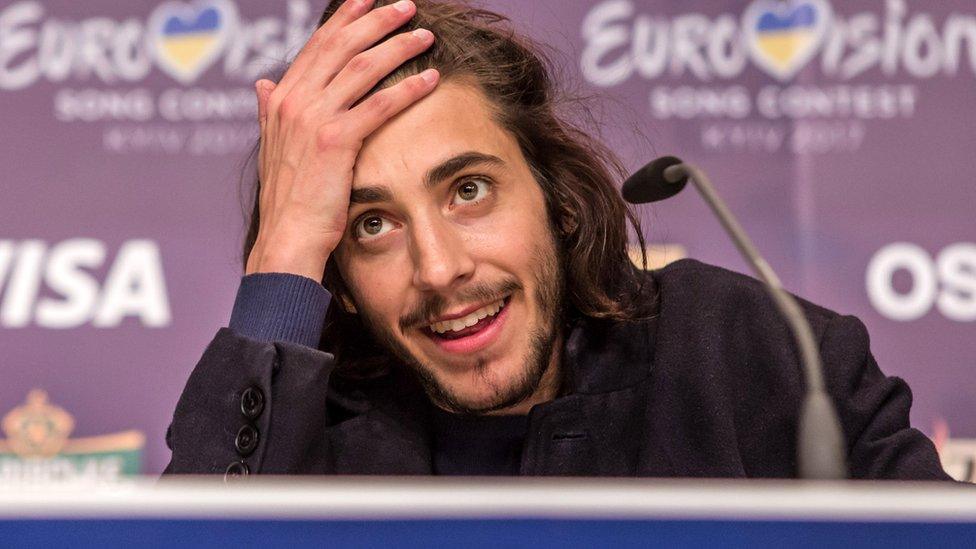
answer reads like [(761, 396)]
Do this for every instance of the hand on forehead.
[(454, 120)]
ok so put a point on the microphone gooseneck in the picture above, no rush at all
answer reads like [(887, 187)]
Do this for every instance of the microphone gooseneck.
[(820, 440)]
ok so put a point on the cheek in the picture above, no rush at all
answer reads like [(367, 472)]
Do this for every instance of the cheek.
[(378, 287), (514, 235)]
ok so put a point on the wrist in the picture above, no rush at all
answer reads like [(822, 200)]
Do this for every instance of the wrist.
[(280, 307), (303, 261)]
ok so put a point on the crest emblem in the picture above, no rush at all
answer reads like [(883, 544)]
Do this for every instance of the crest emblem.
[(37, 428), (38, 446)]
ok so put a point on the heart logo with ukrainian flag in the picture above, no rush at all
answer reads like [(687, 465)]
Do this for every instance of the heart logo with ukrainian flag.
[(187, 38), (783, 35)]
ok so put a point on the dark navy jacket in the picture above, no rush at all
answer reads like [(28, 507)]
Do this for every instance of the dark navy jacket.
[(708, 387)]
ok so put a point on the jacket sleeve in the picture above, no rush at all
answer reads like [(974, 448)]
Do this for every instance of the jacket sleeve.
[(874, 410), (251, 407)]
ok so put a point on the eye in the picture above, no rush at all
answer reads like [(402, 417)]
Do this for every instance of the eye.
[(372, 226), (471, 191)]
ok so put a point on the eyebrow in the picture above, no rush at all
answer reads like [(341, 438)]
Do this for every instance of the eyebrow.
[(440, 172)]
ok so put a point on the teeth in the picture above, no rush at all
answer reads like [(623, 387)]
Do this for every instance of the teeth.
[(459, 324)]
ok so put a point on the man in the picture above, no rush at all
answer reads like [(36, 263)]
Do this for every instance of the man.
[(483, 315)]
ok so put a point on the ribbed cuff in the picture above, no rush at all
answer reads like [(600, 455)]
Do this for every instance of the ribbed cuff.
[(280, 307)]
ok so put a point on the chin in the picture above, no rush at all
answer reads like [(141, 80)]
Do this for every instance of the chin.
[(485, 387)]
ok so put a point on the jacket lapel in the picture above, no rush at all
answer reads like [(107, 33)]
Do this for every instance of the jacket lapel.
[(391, 437), (377, 444), (600, 428)]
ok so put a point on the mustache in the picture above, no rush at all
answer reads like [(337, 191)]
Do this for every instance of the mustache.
[(435, 304)]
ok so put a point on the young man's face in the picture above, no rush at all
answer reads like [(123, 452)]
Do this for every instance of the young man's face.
[(450, 257)]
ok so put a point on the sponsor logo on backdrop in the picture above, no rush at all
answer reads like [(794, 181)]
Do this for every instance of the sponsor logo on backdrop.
[(103, 69), (958, 456), (55, 285), (710, 56), (38, 447), (905, 282)]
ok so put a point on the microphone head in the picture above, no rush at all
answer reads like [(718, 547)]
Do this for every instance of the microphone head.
[(648, 184)]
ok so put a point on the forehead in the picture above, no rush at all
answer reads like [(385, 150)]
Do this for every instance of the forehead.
[(454, 119)]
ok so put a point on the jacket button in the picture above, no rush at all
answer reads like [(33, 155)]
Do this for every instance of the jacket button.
[(246, 441), (236, 469), (252, 402)]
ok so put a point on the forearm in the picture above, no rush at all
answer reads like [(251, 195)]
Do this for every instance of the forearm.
[(276, 390)]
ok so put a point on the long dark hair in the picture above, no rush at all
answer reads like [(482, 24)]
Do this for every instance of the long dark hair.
[(577, 172)]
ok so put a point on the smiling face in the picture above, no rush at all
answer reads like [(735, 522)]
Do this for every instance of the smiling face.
[(450, 257)]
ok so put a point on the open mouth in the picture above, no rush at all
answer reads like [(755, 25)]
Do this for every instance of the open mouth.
[(467, 325), (474, 330)]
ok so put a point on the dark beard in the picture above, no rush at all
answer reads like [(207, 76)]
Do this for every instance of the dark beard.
[(551, 289), (537, 363)]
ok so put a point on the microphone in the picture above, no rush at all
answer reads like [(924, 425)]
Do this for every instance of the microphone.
[(649, 185), (820, 441)]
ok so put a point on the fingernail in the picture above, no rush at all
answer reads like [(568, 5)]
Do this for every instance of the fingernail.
[(423, 35), (403, 6), (429, 75)]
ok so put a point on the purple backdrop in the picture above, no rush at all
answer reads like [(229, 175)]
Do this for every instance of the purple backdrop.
[(842, 133)]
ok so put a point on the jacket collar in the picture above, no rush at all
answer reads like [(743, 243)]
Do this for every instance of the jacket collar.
[(600, 356)]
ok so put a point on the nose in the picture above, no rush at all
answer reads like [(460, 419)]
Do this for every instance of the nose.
[(441, 258)]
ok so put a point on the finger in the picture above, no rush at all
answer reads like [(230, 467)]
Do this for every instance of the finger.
[(263, 89), (349, 11), (385, 104), (352, 40), (365, 70)]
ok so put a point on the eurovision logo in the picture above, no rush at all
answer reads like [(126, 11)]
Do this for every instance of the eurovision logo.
[(783, 37), (779, 37), (183, 39), (38, 447), (188, 38)]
